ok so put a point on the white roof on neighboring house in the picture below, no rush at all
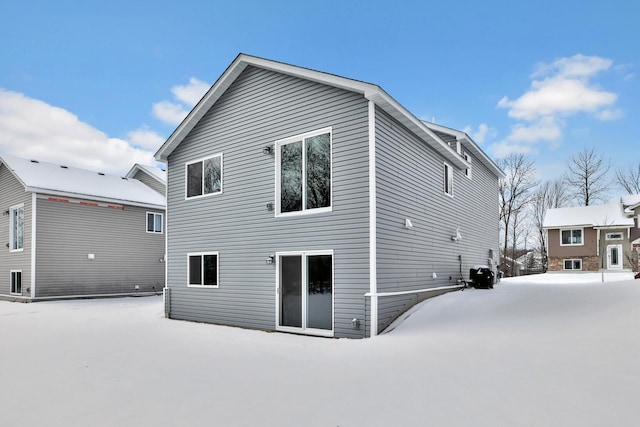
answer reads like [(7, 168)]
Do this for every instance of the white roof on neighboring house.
[(157, 173), (630, 200), (49, 178), (593, 216)]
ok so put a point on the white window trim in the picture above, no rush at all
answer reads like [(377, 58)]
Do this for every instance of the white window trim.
[(447, 172), (217, 254), (572, 260), (572, 229), (297, 138), (607, 236), (154, 222), (11, 236), (186, 177), (304, 255), (11, 284), (467, 157)]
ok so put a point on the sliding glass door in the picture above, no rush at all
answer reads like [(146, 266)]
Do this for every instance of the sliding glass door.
[(305, 292)]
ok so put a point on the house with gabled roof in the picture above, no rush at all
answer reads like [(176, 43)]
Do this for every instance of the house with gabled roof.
[(306, 202), (71, 233), (590, 238)]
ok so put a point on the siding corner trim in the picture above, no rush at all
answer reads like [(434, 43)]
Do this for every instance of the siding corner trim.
[(373, 284)]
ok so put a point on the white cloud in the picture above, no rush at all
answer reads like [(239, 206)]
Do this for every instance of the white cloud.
[(480, 135), (187, 96), (575, 66), (606, 115), (34, 129), (145, 138), (544, 129), (504, 148)]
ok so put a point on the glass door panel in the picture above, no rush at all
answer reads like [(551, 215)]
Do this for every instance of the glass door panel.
[(291, 291), (319, 292)]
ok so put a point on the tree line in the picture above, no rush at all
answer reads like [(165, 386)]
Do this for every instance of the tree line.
[(524, 200)]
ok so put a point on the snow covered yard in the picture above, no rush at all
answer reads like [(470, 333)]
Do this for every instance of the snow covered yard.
[(528, 353)]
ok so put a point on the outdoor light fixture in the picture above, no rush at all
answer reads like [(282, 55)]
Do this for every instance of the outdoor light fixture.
[(269, 206), (6, 212), (270, 259), (268, 149)]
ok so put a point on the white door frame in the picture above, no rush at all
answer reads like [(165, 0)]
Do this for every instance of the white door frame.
[(610, 265)]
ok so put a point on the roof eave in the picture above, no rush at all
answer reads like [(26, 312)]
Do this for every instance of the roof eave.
[(95, 198)]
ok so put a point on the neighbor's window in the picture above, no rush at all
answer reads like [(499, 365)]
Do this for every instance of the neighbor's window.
[(467, 172), (16, 232), (614, 236), (572, 264), (448, 180), (203, 269), (571, 237), (204, 177), (154, 222), (16, 282), (303, 172)]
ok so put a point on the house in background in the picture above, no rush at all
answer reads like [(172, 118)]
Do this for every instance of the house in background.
[(70, 233), (306, 202), (631, 204), (153, 177), (590, 238)]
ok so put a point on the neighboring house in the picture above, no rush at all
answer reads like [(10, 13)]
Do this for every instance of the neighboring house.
[(589, 238), (75, 233), (306, 202), (531, 262), (631, 204), (153, 177)]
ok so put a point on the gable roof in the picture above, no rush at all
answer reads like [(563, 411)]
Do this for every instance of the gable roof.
[(590, 216), (630, 202), (49, 178), (369, 91), (158, 174)]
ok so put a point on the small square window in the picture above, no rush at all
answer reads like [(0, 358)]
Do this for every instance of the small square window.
[(204, 177), (203, 270), (154, 222)]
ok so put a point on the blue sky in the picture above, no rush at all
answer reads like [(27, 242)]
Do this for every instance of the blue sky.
[(102, 84)]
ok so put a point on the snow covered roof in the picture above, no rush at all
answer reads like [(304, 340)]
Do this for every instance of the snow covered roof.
[(592, 216), (49, 178), (630, 201), (157, 173)]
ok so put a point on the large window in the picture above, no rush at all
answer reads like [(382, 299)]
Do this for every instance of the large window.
[(16, 232), (448, 180), (572, 264), (16, 282), (203, 270), (204, 177), (303, 173), (154, 222), (571, 237)]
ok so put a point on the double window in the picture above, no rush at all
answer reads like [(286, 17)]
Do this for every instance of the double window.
[(571, 237), (572, 264), (204, 177), (303, 173), (16, 231), (448, 180), (154, 222), (16, 282), (203, 270)]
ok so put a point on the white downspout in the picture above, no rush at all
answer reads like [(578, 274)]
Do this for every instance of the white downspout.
[(373, 283), (33, 245)]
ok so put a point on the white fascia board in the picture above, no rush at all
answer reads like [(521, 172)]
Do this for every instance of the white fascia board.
[(137, 167), (46, 192)]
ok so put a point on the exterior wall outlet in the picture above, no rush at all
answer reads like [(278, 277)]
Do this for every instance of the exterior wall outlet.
[(434, 275), (91, 256), (136, 287)]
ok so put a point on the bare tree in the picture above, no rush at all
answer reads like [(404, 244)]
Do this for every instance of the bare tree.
[(515, 195), (587, 174), (548, 195), (629, 179)]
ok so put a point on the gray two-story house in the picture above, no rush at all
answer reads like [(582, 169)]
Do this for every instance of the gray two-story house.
[(306, 202), (69, 232)]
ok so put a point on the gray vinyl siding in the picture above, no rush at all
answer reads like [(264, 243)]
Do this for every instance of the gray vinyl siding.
[(13, 193), (409, 184), (259, 108), (125, 254), (150, 181)]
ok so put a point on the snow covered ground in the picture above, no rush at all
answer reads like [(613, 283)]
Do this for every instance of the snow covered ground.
[(528, 353)]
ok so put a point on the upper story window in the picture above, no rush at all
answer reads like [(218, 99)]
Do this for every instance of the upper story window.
[(16, 230), (204, 177), (448, 180), (467, 172), (571, 237), (303, 173), (154, 222)]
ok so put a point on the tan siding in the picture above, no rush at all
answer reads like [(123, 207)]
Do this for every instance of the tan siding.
[(125, 254), (588, 249), (13, 193)]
